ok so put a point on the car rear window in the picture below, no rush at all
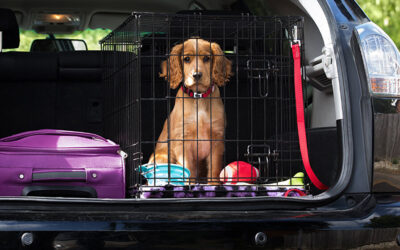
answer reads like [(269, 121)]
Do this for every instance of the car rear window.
[(90, 36)]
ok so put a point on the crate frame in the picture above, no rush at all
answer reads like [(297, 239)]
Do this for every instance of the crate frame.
[(124, 48)]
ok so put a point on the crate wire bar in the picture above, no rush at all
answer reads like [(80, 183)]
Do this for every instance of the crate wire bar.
[(258, 99)]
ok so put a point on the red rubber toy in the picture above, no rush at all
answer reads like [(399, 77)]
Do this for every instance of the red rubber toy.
[(239, 171)]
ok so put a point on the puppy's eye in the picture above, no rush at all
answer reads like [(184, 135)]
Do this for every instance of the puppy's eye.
[(206, 58), (186, 59)]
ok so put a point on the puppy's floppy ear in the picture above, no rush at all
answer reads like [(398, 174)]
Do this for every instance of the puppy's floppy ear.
[(164, 70), (172, 70), (222, 67)]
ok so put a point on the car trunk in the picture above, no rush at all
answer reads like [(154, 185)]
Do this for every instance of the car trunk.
[(117, 93)]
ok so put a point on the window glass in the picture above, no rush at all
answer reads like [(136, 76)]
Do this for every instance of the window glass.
[(90, 36)]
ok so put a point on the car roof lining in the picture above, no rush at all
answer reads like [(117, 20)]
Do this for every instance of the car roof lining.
[(27, 10)]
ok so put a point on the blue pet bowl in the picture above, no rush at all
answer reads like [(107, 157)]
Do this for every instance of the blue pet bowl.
[(157, 175)]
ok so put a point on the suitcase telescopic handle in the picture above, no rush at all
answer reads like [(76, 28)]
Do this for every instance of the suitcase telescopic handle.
[(52, 132), (59, 175)]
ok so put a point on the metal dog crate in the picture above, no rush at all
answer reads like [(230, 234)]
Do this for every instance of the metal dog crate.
[(259, 98)]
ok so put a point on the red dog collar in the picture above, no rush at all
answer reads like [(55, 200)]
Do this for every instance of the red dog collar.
[(194, 94)]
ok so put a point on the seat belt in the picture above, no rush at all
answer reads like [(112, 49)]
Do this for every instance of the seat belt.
[(301, 128)]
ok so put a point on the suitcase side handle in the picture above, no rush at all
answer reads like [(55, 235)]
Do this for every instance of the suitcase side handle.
[(60, 191), (59, 175), (52, 132)]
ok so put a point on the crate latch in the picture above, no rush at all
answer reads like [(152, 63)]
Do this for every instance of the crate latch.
[(263, 72), (261, 156)]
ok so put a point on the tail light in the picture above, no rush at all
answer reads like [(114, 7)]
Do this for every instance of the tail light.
[(381, 60)]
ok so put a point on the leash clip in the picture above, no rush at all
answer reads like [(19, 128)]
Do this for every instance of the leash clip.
[(295, 39)]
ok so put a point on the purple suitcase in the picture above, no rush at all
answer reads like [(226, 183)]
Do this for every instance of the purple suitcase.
[(61, 163)]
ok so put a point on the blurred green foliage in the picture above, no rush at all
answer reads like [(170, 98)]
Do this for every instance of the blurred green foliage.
[(91, 37), (386, 14)]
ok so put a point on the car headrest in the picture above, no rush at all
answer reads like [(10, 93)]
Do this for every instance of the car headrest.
[(9, 28)]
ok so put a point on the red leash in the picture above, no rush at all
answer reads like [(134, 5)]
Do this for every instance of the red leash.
[(301, 128)]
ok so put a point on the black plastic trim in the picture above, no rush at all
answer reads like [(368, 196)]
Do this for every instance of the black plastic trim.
[(59, 175), (60, 191)]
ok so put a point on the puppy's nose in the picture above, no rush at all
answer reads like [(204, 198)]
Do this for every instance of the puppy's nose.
[(197, 75)]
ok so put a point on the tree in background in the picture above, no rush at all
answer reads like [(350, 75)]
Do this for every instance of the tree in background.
[(386, 14)]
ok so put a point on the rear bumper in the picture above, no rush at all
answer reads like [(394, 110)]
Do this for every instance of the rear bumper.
[(370, 221)]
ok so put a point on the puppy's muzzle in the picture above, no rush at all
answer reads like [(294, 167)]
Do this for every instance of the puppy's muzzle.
[(197, 75)]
